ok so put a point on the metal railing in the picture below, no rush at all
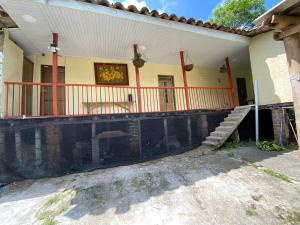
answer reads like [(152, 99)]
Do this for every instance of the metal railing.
[(23, 99)]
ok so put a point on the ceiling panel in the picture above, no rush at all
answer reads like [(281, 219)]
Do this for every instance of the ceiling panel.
[(91, 34)]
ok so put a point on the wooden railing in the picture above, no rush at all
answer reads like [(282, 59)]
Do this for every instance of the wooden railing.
[(35, 99)]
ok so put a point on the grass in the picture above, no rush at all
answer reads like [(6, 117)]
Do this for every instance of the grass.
[(273, 173), (291, 147), (251, 212), (119, 185), (230, 145), (53, 200), (49, 221), (54, 207), (293, 218)]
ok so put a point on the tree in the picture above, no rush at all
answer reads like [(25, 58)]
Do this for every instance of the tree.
[(238, 13)]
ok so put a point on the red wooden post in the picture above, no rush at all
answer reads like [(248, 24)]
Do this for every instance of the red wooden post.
[(55, 76), (138, 82), (187, 100), (229, 72)]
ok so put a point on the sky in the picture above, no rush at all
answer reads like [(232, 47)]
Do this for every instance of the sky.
[(198, 9)]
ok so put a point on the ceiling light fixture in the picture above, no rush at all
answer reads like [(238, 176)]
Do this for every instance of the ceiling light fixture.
[(29, 19)]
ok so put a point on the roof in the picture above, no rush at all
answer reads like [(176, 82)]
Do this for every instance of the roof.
[(5, 20), (286, 7), (173, 17), (94, 31)]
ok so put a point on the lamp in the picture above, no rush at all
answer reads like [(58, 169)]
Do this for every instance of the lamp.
[(223, 69)]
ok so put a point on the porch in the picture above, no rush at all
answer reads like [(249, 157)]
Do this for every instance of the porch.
[(26, 99), (49, 64)]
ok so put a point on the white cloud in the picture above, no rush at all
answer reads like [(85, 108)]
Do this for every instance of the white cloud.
[(166, 5), (136, 3)]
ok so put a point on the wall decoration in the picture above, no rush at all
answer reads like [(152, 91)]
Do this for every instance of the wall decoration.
[(111, 74)]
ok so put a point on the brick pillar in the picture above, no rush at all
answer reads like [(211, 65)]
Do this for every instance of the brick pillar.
[(133, 130), (280, 125), (53, 136), (204, 126), (95, 145), (18, 146), (38, 148), (2, 153)]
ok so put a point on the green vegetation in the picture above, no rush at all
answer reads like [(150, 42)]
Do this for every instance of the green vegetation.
[(53, 200), (54, 207), (269, 146), (251, 212), (145, 183), (272, 173), (291, 146), (119, 185), (237, 13), (230, 145), (289, 217), (49, 221), (293, 218)]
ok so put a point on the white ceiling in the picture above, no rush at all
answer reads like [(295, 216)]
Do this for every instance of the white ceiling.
[(95, 31)]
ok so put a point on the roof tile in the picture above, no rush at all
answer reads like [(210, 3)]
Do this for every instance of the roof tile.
[(165, 16)]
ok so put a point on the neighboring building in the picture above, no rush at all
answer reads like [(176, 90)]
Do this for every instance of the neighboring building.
[(275, 62)]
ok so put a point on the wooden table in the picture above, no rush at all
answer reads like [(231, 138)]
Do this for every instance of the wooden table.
[(122, 104)]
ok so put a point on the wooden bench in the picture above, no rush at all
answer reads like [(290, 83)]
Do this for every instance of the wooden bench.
[(126, 105)]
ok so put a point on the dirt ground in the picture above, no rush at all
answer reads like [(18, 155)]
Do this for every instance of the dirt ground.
[(241, 186)]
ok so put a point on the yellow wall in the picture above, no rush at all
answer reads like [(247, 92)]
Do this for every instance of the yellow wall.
[(80, 70), (12, 68), (269, 67)]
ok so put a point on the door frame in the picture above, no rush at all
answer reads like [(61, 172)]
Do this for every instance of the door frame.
[(41, 81), (173, 85), (237, 88), (29, 88)]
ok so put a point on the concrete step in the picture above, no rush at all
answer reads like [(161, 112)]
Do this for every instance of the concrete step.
[(225, 128), (228, 123), (235, 114), (219, 134), (215, 139), (233, 119), (244, 107), (210, 144), (238, 113)]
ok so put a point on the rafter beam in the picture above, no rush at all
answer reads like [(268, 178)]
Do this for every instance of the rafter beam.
[(288, 32)]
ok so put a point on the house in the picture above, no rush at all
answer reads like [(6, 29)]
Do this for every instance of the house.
[(75, 84), (276, 70)]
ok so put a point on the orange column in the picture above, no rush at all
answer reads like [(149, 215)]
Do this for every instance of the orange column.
[(55, 76), (187, 100), (138, 82), (229, 72)]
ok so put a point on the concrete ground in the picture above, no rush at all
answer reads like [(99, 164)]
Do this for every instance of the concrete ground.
[(242, 186)]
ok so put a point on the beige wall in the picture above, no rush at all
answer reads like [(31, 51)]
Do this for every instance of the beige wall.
[(269, 67), (12, 68)]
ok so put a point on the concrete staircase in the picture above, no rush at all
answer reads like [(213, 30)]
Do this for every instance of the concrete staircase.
[(226, 128)]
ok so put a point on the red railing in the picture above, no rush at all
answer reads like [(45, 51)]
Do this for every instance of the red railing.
[(35, 99)]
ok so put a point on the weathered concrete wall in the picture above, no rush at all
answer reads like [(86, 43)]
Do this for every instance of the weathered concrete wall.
[(49, 147)]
